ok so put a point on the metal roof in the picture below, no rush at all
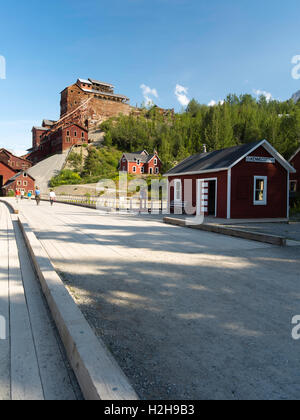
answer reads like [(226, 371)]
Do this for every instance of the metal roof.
[(98, 92), (85, 81), (97, 82), (223, 159), (133, 157), (41, 128), (49, 122)]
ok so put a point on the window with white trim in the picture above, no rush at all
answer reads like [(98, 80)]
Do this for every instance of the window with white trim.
[(293, 186), (177, 190), (134, 169), (155, 161), (25, 183), (142, 170), (260, 190), (156, 170)]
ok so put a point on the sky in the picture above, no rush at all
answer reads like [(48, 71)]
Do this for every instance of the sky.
[(165, 51)]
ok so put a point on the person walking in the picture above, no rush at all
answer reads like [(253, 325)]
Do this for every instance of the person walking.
[(22, 195), (37, 196), (29, 195), (52, 197), (18, 194)]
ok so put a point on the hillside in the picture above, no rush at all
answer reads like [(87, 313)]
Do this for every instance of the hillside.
[(237, 121), (87, 165)]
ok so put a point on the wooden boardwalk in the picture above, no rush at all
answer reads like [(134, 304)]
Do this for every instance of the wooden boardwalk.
[(32, 361)]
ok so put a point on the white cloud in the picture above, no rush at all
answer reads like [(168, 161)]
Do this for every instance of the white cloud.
[(147, 92), (267, 95), (214, 103), (181, 94)]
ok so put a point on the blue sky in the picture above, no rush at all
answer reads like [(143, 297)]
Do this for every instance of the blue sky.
[(206, 48)]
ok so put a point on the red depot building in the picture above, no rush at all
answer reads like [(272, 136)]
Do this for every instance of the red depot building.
[(243, 182)]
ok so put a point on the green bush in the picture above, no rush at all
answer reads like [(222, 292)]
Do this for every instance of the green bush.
[(10, 193), (66, 177)]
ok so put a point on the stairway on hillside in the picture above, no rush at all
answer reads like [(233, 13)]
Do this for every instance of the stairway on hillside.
[(47, 169)]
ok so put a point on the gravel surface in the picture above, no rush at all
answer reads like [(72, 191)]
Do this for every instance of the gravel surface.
[(187, 314)]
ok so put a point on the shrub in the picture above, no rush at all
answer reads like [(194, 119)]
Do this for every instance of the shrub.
[(66, 177)]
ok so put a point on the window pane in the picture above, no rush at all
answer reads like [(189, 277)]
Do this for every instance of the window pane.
[(260, 184)]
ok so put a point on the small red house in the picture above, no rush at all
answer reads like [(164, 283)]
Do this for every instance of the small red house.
[(21, 181), (141, 163), (243, 182), (295, 178)]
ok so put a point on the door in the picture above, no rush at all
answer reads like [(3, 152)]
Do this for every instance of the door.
[(212, 198)]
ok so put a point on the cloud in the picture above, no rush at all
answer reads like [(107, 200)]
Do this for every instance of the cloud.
[(214, 103), (267, 95), (147, 92), (181, 94)]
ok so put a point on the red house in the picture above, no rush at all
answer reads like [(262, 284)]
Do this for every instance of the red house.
[(6, 172), (21, 181), (295, 178), (14, 162), (242, 182), (141, 163)]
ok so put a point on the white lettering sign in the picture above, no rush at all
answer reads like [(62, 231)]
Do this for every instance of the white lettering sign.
[(257, 159)]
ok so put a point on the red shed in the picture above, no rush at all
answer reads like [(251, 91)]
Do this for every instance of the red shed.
[(242, 182), (295, 178), (21, 181)]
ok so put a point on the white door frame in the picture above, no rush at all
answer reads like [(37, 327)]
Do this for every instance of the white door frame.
[(200, 199)]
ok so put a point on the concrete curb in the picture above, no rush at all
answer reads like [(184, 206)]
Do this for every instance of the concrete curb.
[(243, 234), (97, 372)]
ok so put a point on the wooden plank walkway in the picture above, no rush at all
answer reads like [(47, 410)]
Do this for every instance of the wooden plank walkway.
[(32, 361)]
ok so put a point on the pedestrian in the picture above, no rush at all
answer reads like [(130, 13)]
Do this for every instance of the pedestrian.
[(18, 194), (22, 194), (52, 197), (37, 196), (29, 195)]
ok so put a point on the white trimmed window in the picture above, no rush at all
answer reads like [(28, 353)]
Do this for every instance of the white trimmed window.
[(156, 170), (155, 161), (260, 190), (293, 186), (25, 183), (177, 190), (142, 170), (134, 169)]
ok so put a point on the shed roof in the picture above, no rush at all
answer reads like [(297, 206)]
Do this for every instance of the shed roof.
[(224, 159), (97, 82)]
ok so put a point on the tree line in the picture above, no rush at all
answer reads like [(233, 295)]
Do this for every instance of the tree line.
[(236, 121)]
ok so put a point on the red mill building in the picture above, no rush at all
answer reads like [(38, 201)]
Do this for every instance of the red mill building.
[(84, 105), (90, 102)]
